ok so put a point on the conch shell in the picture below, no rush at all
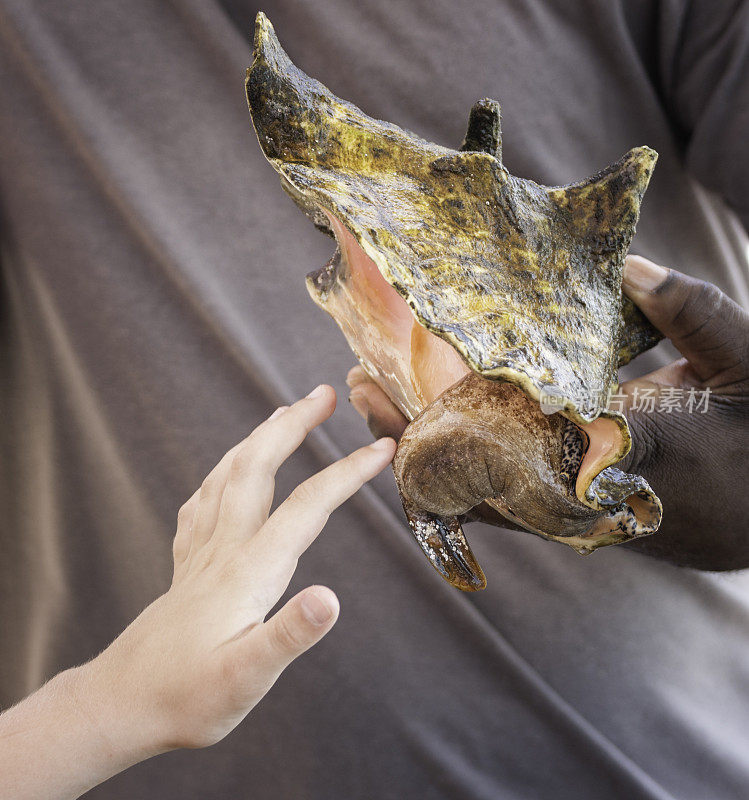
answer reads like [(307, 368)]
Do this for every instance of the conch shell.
[(489, 308)]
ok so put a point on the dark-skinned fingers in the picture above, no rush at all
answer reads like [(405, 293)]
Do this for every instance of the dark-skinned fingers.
[(662, 441), (678, 374), (382, 416), (357, 375), (659, 384), (295, 524), (697, 465), (704, 324), (374, 406), (248, 493), (650, 430)]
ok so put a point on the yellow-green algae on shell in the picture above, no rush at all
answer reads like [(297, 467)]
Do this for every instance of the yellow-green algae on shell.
[(523, 280)]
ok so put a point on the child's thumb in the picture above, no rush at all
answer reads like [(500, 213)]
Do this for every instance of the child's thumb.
[(302, 622)]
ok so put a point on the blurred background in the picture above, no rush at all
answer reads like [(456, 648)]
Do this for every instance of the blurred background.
[(153, 310)]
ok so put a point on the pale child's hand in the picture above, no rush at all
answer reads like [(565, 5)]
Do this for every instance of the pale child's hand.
[(198, 659)]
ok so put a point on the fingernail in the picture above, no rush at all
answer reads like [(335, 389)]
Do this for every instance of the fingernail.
[(278, 412), (316, 392), (382, 444), (361, 406), (643, 275), (316, 610)]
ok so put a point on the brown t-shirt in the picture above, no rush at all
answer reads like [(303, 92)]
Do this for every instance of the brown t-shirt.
[(153, 310)]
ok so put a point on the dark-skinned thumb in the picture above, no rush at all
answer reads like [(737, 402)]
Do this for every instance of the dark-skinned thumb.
[(708, 328)]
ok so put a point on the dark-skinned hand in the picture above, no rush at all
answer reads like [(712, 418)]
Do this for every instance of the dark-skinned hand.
[(696, 461)]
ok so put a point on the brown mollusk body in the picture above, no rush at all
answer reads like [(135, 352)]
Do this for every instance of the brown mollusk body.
[(469, 295)]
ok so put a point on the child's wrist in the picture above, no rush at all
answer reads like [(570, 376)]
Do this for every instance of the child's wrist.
[(118, 734), (74, 728)]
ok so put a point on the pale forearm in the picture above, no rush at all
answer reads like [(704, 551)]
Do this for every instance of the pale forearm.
[(63, 740)]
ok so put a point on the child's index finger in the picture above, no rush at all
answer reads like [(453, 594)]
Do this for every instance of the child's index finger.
[(295, 524)]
